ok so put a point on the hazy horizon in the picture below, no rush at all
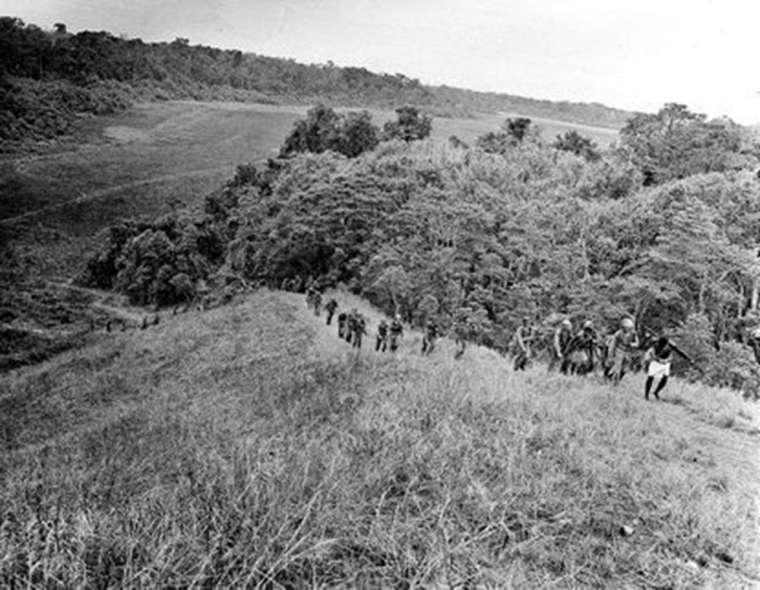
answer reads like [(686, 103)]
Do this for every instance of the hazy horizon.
[(635, 55)]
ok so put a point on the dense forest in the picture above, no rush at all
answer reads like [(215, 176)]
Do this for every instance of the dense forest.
[(47, 77), (664, 227)]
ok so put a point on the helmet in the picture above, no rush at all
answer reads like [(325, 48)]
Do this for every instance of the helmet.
[(627, 323), (566, 322), (588, 324)]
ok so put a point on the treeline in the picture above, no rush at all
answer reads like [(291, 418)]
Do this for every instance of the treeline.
[(47, 77), (487, 234)]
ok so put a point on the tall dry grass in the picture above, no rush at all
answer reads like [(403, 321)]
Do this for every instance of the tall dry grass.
[(248, 447)]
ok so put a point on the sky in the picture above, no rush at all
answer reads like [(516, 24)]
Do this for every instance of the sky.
[(631, 54)]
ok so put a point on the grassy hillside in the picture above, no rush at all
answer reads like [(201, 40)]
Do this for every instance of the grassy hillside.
[(248, 446)]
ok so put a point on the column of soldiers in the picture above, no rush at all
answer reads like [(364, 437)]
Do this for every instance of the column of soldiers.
[(572, 353), (582, 352), (352, 327)]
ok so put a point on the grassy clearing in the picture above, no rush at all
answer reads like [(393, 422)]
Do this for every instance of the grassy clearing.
[(247, 446)]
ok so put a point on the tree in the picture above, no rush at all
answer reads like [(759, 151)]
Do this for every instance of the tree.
[(357, 134), (675, 143), (410, 125), (517, 127), (317, 133), (324, 129), (578, 144)]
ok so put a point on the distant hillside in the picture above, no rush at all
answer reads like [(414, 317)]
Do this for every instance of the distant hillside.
[(594, 114), (47, 77)]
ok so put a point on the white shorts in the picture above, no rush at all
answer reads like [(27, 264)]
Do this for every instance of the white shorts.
[(657, 369)]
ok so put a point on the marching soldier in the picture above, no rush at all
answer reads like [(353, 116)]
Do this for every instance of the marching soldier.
[(342, 325), (381, 340), (396, 333), (429, 337), (581, 353), (560, 345), (360, 328), (522, 341), (351, 324), (330, 308), (620, 350)]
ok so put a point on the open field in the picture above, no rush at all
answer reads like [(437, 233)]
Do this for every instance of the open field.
[(248, 446)]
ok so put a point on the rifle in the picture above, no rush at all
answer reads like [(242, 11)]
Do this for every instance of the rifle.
[(649, 333)]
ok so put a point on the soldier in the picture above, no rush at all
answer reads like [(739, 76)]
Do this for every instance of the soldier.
[(317, 301), (330, 308), (297, 284), (620, 349), (360, 328), (381, 340), (285, 284), (580, 355), (429, 337), (658, 358), (560, 344), (462, 330), (352, 324), (342, 324), (754, 342), (396, 333), (460, 339), (522, 341)]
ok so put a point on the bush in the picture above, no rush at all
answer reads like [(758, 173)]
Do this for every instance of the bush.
[(156, 263), (410, 125), (732, 364), (324, 129)]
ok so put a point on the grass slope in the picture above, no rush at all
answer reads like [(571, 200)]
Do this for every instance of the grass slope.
[(247, 446)]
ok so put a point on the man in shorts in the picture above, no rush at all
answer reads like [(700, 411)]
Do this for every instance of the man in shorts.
[(659, 357)]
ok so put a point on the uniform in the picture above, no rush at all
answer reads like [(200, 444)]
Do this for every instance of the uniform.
[(330, 308), (342, 324), (351, 324), (317, 301), (360, 328), (381, 341), (563, 335), (619, 352), (396, 333), (580, 357), (522, 340), (428, 339)]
